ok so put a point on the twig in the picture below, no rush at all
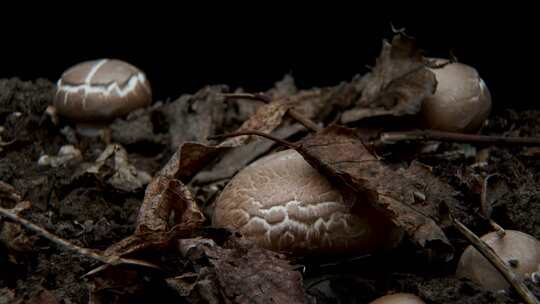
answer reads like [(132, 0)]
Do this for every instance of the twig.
[(306, 122), (486, 208), (251, 96), (498, 229), (498, 263), (9, 191), (485, 205), (390, 137), (258, 133), (111, 260)]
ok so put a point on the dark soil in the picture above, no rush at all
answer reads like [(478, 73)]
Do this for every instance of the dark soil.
[(89, 212)]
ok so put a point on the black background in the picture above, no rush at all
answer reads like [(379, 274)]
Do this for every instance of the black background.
[(182, 50)]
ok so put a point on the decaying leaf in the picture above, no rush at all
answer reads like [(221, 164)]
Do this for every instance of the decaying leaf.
[(163, 196), (265, 119), (239, 157), (192, 118), (124, 176), (397, 84), (240, 272), (340, 154)]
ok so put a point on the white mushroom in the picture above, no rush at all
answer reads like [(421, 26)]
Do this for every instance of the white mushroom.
[(461, 103), (284, 204), (519, 249), (398, 298), (101, 90)]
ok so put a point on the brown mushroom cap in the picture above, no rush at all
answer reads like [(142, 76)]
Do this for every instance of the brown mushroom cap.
[(515, 245), (284, 204), (101, 90), (398, 298), (461, 103)]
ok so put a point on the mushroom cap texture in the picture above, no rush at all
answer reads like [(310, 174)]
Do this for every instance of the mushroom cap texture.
[(284, 204), (101, 90), (515, 245), (398, 298), (461, 102)]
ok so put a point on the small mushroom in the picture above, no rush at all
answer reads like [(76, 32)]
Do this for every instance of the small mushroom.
[(98, 91), (520, 250), (461, 102), (284, 204), (398, 298)]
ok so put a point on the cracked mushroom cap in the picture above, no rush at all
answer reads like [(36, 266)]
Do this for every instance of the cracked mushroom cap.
[(520, 250), (461, 103), (284, 204), (398, 298), (101, 90)]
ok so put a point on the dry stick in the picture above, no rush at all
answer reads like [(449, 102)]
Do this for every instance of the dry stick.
[(258, 133), (390, 137), (306, 122), (498, 263), (111, 260), (486, 208)]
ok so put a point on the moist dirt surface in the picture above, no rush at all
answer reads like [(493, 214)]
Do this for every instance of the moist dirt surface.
[(96, 210)]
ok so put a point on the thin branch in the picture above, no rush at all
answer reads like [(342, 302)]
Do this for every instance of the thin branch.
[(258, 133), (111, 260), (485, 204), (498, 263), (498, 229), (306, 122), (251, 96), (390, 137)]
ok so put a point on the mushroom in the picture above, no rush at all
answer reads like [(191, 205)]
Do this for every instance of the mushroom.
[(398, 298), (461, 102), (520, 250), (96, 92), (284, 204)]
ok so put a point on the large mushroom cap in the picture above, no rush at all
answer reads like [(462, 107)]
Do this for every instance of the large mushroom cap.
[(516, 247), (284, 204), (101, 90), (461, 103), (398, 298)]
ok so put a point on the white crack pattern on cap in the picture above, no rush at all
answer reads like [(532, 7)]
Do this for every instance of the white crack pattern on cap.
[(106, 90)]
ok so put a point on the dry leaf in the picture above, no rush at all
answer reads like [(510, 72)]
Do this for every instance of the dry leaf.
[(240, 272), (124, 176), (340, 154), (398, 83)]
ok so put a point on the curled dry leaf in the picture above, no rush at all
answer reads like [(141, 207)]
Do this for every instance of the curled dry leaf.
[(240, 272), (265, 119), (398, 83), (340, 154), (269, 119), (192, 118), (163, 196), (124, 176)]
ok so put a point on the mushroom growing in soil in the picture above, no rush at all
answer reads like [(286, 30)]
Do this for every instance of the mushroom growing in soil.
[(461, 102), (398, 298), (520, 250), (93, 93), (284, 204)]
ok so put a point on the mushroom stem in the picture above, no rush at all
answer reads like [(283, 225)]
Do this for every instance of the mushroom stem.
[(498, 263)]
